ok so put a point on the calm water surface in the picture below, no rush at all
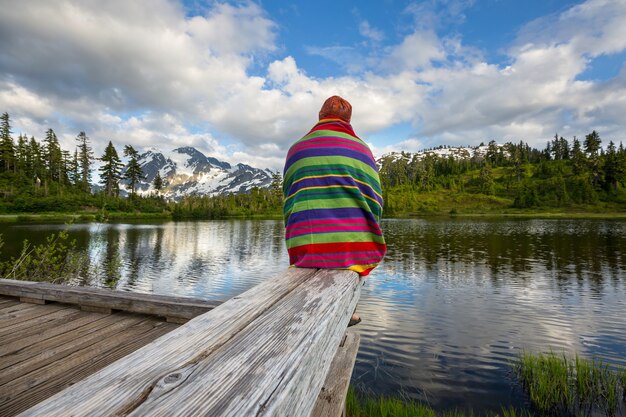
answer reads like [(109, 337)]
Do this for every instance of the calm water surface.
[(452, 304)]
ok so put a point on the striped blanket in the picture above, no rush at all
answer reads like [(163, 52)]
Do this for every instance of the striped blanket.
[(333, 201)]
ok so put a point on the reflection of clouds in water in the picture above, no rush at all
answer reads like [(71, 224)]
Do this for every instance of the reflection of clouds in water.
[(453, 302), (211, 260), (456, 300)]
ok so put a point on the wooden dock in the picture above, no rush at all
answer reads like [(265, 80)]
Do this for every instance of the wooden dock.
[(280, 349)]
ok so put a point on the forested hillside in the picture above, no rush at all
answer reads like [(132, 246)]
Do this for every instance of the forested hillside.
[(578, 175), (39, 176), (581, 175)]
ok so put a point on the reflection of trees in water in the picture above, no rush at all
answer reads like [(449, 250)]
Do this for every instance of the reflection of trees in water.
[(591, 251), (131, 251), (112, 262)]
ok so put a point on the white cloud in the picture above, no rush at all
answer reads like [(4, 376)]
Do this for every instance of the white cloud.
[(145, 73), (418, 50), (408, 145), (371, 33)]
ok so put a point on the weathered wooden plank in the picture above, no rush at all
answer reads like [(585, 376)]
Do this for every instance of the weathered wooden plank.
[(95, 309), (159, 305), (85, 369), (25, 311), (13, 309), (119, 389), (8, 302), (51, 379), (35, 325), (72, 354), (271, 367), (331, 401), (60, 340)]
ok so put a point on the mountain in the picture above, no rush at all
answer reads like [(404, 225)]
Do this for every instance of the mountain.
[(187, 171), (456, 152)]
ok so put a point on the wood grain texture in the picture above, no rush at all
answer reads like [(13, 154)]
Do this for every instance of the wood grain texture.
[(274, 367), (80, 359), (159, 305), (331, 401), (151, 372), (25, 328)]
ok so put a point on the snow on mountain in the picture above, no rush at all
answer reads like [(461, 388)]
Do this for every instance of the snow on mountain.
[(187, 171), (457, 152)]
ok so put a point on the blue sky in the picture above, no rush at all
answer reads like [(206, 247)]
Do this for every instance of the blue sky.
[(242, 80)]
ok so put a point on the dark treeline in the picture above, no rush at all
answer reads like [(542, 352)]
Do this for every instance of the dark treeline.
[(564, 174), (40, 176), (258, 202)]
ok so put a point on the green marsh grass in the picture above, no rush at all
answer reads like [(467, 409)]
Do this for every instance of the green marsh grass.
[(369, 406), (560, 385)]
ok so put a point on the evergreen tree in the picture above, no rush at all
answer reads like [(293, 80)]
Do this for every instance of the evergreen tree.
[(157, 183), (53, 157), (74, 170), (276, 188), (559, 148), (485, 180), (133, 173), (492, 154), (577, 157), (110, 171), (7, 148), (21, 154), (34, 160), (66, 165), (613, 171), (592, 148), (592, 144), (85, 159)]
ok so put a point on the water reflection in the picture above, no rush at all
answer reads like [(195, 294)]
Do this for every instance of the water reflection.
[(454, 301)]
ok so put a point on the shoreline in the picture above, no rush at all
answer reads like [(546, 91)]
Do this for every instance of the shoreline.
[(88, 217)]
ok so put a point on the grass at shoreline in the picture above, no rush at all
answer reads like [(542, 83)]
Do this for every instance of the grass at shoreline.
[(577, 386), (119, 216), (556, 385), (80, 217), (381, 406)]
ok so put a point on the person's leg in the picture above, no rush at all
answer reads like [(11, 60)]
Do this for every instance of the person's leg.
[(355, 319)]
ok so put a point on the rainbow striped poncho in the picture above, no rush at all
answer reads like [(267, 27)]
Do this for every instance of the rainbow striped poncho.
[(333, 201)]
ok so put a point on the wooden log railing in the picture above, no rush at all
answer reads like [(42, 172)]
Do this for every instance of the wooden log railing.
[(174, 309), (267, 352)]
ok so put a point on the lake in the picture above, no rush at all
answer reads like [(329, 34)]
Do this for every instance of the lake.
[(453, 303)]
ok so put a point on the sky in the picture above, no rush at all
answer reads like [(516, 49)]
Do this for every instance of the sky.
[(242, 80)]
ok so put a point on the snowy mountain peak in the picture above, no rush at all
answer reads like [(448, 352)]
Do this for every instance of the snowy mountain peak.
[(187, 171)]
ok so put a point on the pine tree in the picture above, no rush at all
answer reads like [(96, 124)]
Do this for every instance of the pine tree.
[(157, 183), (53, 157), (486, 182), (612, 168), (592, 148), (66, 164), (592, 144), (277, 188), (133, 173), (21, 154), (7, 148), (34, 160), (74, 170), (85, 158), (577, 157), (110, 171)]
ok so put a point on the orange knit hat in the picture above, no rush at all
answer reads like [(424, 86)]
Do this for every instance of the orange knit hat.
[(336, 106)]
